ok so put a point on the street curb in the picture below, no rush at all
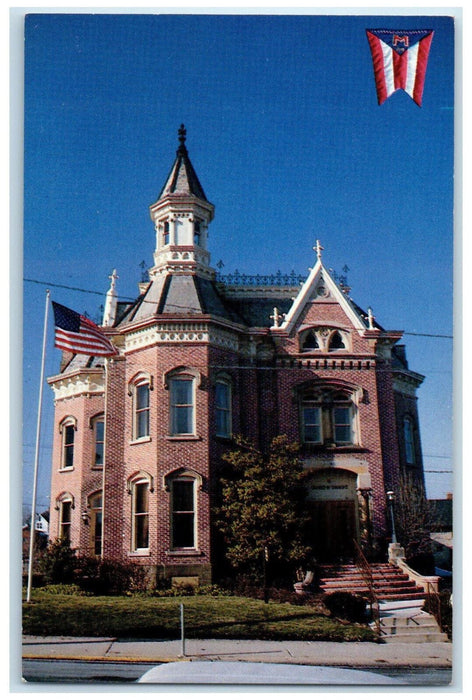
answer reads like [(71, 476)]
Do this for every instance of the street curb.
[(438, 663)]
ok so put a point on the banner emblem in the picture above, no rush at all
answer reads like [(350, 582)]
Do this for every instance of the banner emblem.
[(400, 57)]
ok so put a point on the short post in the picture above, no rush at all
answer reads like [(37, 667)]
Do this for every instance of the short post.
[(182, 631)]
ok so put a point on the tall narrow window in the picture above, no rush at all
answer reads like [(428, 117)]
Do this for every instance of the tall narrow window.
[(342, 425), (166, 234), (142, 411), (409, 441), (65, 521), (223, 408), (197, 232), (95, 505), (140, 525), (183, 513), (182, 406), (67, 428), (99, 434), (312, 429)]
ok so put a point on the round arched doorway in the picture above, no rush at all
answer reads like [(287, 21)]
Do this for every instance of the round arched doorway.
[(334, 514)]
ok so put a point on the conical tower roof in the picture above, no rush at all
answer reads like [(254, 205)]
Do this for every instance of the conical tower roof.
[(182, 179)]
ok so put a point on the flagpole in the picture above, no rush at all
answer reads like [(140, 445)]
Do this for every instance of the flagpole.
[(36, 457)]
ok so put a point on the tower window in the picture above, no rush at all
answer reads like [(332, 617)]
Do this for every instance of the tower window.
[(67, 427), (409, 441), (223, 408), (182, 406), (197, 232), (166, 233)]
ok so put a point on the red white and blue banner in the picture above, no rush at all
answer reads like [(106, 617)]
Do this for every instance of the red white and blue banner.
[(78, 334), (400, 58)]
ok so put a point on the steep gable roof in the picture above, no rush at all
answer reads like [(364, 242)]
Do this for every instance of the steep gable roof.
[(319, 276)]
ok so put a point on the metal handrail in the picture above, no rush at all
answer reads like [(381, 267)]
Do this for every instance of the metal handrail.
[(366, 573), (433, 604)]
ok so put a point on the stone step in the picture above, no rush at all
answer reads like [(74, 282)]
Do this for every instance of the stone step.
[(416, 629), (418, 638)]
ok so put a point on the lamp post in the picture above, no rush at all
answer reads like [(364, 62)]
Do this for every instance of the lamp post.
[(390, 499)]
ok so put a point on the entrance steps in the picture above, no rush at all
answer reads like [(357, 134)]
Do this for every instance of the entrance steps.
[(417, 628), (390, 583)]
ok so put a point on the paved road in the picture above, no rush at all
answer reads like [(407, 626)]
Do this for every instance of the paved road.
[(99, 672)]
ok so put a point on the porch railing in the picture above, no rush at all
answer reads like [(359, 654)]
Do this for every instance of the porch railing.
[(366, 573), (433, 603)]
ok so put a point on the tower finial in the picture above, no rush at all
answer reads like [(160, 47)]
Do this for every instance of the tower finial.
[(182, 137), (318, 248)]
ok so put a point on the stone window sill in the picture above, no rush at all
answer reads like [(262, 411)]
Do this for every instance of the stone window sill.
[(140, 441), (184, 553), (188, 438)]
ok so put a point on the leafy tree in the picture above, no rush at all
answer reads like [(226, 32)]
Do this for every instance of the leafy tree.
[(263, 514)]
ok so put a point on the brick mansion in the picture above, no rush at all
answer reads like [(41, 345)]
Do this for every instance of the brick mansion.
[(139, 438)]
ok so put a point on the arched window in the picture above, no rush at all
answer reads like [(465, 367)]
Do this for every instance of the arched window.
[(65, 505), (183, 486), (181, 383), (67, 428), (139, 388), (95, 523), (223, 412), (139, 487), (328, 416), (97, 424), (409, 440), (310, 341), (197, 232), (336, 341)]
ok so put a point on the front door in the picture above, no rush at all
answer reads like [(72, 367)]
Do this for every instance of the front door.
[(333, 527)]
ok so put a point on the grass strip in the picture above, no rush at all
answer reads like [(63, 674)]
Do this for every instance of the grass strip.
[(141, 617)]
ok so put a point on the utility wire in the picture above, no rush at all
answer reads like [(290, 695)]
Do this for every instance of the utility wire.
[(186, 308)]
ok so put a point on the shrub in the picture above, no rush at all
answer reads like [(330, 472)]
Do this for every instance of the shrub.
[(58, 563), (110, 576), (346, 606)]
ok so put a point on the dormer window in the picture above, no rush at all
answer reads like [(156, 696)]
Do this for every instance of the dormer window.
[(310, 341), (336, 341)]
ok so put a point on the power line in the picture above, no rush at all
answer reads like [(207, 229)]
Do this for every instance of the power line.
[(177, 306)]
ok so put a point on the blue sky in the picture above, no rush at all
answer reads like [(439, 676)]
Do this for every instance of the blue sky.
[(289, 143)]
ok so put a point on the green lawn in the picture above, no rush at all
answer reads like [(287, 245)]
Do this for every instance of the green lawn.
[(149, 617)]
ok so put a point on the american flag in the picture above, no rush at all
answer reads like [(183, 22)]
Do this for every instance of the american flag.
[(400, 57), (76, 333)]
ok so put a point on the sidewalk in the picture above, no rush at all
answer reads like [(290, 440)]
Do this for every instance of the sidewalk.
[(351, 654)]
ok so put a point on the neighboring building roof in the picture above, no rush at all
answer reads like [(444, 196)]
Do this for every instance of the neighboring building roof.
[(182, 178), (443, 538)]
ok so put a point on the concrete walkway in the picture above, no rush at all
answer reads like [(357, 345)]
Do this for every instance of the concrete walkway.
[(350, 654)]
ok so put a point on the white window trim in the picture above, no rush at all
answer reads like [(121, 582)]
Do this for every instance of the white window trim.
[(136, 481), (140, 379), (67, 422)]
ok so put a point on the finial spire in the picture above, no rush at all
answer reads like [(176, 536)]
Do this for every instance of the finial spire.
[(109, 313), (370, 319), (182, 138), (318, 248)]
